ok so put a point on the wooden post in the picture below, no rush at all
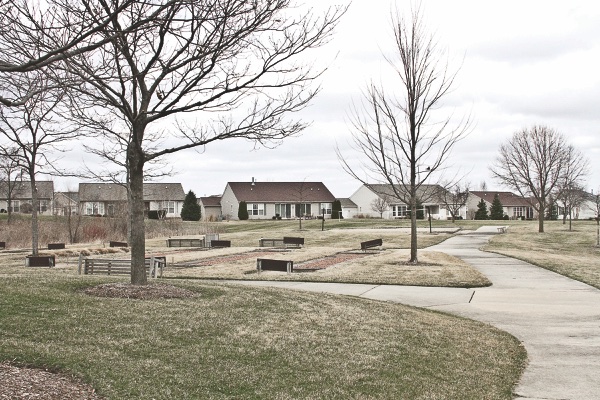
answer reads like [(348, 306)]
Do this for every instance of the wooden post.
[(79, 264)]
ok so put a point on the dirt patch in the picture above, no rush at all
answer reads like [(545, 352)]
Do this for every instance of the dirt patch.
[(140, 292), (31, 383)]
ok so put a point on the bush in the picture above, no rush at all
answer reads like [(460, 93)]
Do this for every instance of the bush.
[(153, 214), (243, 211)]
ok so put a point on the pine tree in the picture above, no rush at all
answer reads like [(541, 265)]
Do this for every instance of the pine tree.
[(482, 211), (243, 211), (496, 210), (191, 209), (336, 210)]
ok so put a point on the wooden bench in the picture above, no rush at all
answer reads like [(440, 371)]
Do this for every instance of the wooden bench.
[(182, 242), (271, 243), (40, 261), (220, 243), (502, 229), (370, 244), (112, 243), (293, 241), (154, 266), (265, 264), (56, 246)]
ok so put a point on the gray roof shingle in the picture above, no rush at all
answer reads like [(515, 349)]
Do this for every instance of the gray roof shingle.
[(22, 190), (113, 192), (273, 192)]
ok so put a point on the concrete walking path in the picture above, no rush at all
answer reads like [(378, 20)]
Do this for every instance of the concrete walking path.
[(556, 318)]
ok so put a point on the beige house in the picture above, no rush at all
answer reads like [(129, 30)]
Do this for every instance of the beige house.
[(110, 199), (267, 200), (21, 199), (515, 206), (66, 203), (210, 207)]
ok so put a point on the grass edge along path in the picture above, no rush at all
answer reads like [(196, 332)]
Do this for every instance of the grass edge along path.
[(573, 254), (249, 343)]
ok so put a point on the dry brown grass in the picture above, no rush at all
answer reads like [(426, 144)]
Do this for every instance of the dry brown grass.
[(570, 253), (378, 267)]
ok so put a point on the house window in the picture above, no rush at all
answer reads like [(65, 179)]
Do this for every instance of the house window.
[(519, 211), (399, 211), (326, 207), (256, 209), (16, 206), (94, 208), (169, 207), (43, 205), (303, 210)]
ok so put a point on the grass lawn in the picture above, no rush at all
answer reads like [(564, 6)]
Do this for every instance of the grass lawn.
[(570, 253), (234, 342)]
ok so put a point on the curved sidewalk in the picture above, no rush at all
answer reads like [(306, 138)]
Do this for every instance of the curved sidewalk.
[(556, 318)]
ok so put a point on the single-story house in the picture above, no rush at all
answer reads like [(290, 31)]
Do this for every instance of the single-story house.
[(267, 200), (66, 203), (110, 199), (210, 207), (379, 200), (586, 209), (349, 208), (21, 196), (515, 206)]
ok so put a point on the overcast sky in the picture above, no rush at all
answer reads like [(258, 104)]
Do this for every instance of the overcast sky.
[(521, 63)]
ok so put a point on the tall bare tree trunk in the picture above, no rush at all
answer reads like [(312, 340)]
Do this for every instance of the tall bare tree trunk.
[(34, 216), (136, 214)]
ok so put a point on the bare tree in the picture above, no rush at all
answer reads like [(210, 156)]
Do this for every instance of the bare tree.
[(10, 174), (532, 163), (397, 134), (199, 72), (595, 198), (570, 189), (33, 130), (455, 198), (380, 204), (35, 36)]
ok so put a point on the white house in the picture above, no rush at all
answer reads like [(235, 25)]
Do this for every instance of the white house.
[(379, 200)]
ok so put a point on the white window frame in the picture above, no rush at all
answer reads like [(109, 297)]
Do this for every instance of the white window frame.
[(399, 210), (169, 207), (257, 209), (327, 207)]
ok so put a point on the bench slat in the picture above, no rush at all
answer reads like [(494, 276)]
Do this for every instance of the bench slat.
[(371, 243)]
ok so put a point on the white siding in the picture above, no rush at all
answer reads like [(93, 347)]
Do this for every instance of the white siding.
[(229, 204)]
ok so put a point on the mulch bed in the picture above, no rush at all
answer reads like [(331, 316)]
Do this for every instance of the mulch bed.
[(31, 383)]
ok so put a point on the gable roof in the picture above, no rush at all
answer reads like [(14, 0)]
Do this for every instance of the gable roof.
[(102, 192), (163, 191), (508, 199), (114, 192), (347, 203), (68, 196), (22, 190), (273, 192), (210, 201), (427, 193)]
